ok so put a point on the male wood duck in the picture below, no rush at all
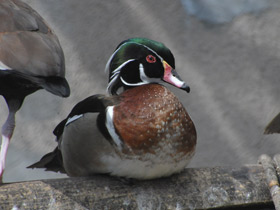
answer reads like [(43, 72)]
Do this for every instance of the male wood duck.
[(31, 58), (142, 133), (273, 126)]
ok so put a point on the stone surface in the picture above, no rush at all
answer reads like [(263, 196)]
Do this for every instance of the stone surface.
[(195, 188)]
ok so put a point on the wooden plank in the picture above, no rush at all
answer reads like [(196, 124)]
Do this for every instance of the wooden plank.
[(271, 170), (195, 188)]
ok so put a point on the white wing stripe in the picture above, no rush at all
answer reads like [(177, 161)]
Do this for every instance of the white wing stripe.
[(4, 67), (72, 119)]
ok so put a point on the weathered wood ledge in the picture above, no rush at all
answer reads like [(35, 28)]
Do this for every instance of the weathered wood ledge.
[(196, 188)]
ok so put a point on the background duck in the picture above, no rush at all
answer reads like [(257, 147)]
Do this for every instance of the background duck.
[(31, 58)]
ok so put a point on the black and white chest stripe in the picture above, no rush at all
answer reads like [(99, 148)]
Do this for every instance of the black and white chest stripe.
[(110, 126)]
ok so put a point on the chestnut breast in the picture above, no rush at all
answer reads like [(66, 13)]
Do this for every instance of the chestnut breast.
[(150, 116)]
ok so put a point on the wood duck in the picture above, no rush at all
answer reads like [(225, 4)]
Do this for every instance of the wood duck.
[(143, 132), (31, 58), (273, 126)]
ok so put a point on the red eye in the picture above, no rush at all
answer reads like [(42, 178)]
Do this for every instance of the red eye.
[(151, 59)]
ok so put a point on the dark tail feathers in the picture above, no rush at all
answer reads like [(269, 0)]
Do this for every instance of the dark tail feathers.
[(273, 126), (51, 162)]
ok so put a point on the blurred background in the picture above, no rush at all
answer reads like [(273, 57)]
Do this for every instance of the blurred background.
[(227, 51)]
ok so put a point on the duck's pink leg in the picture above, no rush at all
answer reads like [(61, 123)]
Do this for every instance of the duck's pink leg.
[(7, 132), (3, 153)]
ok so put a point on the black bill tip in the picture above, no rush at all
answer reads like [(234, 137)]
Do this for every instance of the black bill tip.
[(186, 87)]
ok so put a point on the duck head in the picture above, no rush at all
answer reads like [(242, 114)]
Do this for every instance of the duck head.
[(140, 61)]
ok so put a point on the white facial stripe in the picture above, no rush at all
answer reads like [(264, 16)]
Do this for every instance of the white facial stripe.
[(132, 84), (109, 61), (144, 77), (123, 64), (4, 67), (112, 56), (72, 119), (111, 83), (115, 73), (110, 125)]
